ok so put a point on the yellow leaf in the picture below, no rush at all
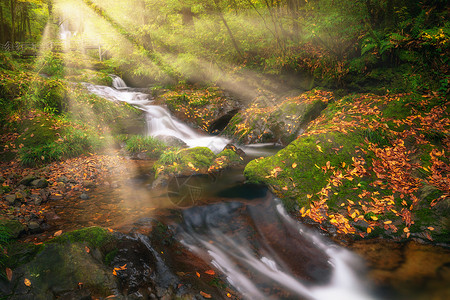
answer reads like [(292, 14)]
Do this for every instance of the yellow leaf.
[(319, 148), (406, 229), (27, 282), (374, 218), (388, 222), (369, 230), (58, 233), (294, 165)]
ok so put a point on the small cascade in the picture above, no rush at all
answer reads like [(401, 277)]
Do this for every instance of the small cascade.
[(265, 254), (159, 120), (118, 82)]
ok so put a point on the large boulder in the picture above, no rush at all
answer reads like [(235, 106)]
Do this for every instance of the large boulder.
[(280, 122)]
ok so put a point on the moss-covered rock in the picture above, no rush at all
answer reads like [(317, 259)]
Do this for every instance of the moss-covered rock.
[(264, 122), (185, 162), (65, 264), (370, 166), (201, 107)]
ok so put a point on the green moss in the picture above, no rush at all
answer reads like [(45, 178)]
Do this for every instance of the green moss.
[(185, 160), (110, 256), (309, 154), (231, 155), (96, 237)]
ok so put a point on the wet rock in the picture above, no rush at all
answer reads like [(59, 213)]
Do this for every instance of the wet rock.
[(11, 199), (88, 184), (61, 186), (219, 124), (19, 196), (27, 180), (14, 227), (37, 199), (171, 141), (39, 183), (61, 269), (45, 194), (84, 196), (34, 227), (62, 179)]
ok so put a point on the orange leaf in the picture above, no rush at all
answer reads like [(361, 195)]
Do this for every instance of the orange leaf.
[(198, 274), (294, 165), (205, 294), (58, 233), (87, 249), (388, 222), (114, 272), (369, 230), (27, 282), (9, 274), (210, 272), (430, 228)]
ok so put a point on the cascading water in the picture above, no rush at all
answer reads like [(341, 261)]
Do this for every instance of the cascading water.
[(160, 122), (265, 254)]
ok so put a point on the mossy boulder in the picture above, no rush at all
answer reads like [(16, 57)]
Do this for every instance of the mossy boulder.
[(265, 121), (296, 171), (11, 229), (196, 161), (185, 162), (370, 166), (207, 108), (62, 266)]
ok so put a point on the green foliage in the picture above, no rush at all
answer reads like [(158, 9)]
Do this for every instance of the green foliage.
[(168, 157), (147, 144)]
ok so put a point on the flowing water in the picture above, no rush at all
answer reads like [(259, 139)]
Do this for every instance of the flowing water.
[(243, 231)]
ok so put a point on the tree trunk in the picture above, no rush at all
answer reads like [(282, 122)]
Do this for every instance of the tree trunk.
[(230, 33), (2, 26), (187, 16), (13, 20)]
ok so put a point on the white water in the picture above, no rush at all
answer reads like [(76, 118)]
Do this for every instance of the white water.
[(159, 120), (256, 270)]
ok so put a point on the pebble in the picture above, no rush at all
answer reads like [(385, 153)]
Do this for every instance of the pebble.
[(84, 196)]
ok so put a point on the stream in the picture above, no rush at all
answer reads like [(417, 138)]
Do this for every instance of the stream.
[(237, 229)]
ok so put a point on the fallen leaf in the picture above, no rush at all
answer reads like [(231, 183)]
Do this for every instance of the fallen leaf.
[(210, 272), (205, 294), (27, 282), (294, 165), (58, 233), (9, 274), (198, 274), (87, 249)]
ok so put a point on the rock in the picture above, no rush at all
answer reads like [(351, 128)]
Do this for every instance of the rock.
[(62, 179), (61, 267), (13, 227), (171, 141), (45, 194), (19, 196), (84, 196), (34, 227), (219, 124), (88, 184), (39, 183), (61, 186), (36, 199), (11, 199), (27, 180), (2, 179)]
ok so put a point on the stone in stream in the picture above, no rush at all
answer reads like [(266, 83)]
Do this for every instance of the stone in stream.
[(11, 199), (27, 180), (39, 183), (84, 196)]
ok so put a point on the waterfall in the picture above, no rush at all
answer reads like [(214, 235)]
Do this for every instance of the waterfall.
[(118, 82), (159, 120), (265, 254)]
